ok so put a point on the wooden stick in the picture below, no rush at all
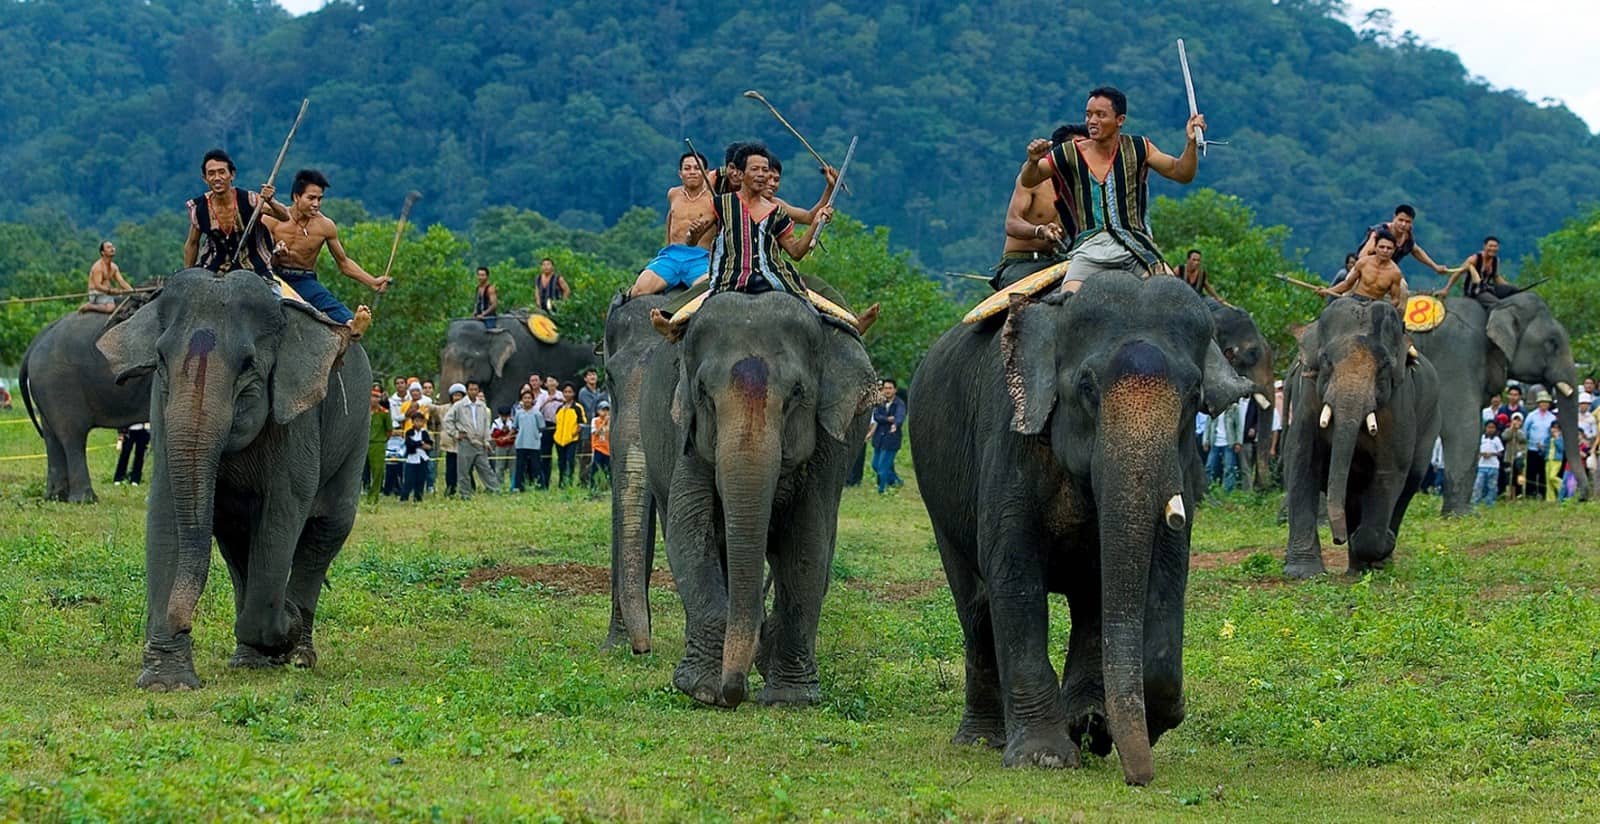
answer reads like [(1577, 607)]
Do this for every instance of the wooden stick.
[(399, 229), (75, 295), (1300, 283), (255, 214), (755, 95)]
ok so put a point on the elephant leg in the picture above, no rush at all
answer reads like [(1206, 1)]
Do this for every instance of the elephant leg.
[(697, 566), (1163, 634), (232, 532), (801, 557), (320, 542), (1036, 722), (1303, 476), (984, 720), (265, 623), (55, 478), (168, 659), (80, 488), (1371, 537), (1083, 682)]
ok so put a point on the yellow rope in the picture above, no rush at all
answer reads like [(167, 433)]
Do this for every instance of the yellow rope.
[(27, 457)]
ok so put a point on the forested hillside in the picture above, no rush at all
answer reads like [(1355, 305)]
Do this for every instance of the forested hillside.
[(576, 109)]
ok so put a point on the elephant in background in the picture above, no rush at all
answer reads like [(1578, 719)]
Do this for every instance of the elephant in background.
[(1362, 430), (1250, 355), (631, 345), (68, 389), (259, 417), (501, 359), (1475, 351), (1064, 460), (748, 425)]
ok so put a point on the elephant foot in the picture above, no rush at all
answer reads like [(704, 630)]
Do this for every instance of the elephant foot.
[(1050, 748), (790, 695), (990, 732), (1091, 730), (303, 656), (701, 684), (1303, 565), (248, 657), (87, 496), (168, 668)]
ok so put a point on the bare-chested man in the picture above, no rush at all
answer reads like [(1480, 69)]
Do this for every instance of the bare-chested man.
[(1376, 276), (680, 262), (298, 241), (105, 278), (1035, 236)]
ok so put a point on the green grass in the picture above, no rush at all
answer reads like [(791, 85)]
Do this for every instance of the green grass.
[(1464, 683)]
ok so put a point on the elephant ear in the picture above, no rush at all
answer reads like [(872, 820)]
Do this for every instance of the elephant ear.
[(501, 347), (130, 346), (683, 406), (847, 382), (307, 349), (1028, 351), (1504, 329)]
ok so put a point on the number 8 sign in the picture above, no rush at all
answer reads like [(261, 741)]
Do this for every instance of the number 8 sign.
[(1423, 313)]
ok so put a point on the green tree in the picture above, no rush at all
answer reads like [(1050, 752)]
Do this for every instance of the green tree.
[(1568, 261)]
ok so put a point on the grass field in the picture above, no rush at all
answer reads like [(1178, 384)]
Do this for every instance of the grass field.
[(460, 677)]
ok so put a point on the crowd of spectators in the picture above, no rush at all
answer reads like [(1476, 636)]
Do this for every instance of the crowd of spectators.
[(555, 435)]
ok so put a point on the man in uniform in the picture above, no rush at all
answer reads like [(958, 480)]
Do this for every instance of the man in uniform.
[(219, 216), (1402, 237), (1376, 276), (105, 278), (298, 241), (680, 263), (1101, 189)]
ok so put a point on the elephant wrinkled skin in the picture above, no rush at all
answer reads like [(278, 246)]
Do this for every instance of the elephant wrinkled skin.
[(1362, 431), (1062, 458), (748, 426), (259, 417)]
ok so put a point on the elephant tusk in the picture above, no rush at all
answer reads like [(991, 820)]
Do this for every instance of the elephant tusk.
[(1175, 514), (1327, 416), (1566, 388), (1261, 401), (1372, 423)]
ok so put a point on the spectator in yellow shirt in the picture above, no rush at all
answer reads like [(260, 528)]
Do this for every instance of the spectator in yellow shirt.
[(570, 419)]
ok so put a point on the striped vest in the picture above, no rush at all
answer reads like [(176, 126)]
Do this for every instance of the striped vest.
[(1118, 207), (746, 256)]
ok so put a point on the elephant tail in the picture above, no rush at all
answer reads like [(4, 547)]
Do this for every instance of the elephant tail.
[(27, 396)]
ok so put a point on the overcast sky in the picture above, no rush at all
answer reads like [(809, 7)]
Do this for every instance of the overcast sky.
[(1545, 48)]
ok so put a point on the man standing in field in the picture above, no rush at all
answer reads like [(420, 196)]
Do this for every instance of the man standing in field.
[(298, 241)]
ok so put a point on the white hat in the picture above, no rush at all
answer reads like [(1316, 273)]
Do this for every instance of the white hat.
[(1585, 397), (1277, 384), (414, 387), (456, 388)]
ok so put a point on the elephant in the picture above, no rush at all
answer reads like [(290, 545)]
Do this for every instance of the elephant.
[(68, 389), (1475, 350), (1250, 355), (1063, 459), (501, 359), (259, 417), (748, 425), (1364, 419), (631, 344)]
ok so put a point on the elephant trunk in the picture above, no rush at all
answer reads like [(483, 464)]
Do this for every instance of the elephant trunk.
[(749, 457), (1346, 429), (196, 430), (1572, 443), (631, 528), (1139, 421)]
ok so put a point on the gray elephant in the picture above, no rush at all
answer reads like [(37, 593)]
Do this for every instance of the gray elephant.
[(1475, 351), (259, 416), (1364, 419), (631, 345), (748, 426), (1250, 355), (68, 390), (1063, 459), (501, 359)]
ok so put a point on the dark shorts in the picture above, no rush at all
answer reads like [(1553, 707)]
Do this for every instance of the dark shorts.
[(316, 294), (1015, 266)]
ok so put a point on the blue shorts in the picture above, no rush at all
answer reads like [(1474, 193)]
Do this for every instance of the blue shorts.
[(680, 265), (316, 294)]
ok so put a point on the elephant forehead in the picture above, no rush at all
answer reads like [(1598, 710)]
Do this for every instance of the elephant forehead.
[(749, 376)]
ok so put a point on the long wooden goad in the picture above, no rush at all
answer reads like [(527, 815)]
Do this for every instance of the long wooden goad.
[(255, 214)]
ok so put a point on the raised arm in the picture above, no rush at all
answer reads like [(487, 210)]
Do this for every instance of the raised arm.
[(1183, 167), (268, 205), (349, 268), (1422, 257), (1038, 168), (797, 245), (1466, 267)]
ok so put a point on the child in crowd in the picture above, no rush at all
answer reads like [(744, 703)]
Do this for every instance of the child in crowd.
[(1489, 450), (503, 434), (394, 462), (600, 443), (569, 420), (418, 443)]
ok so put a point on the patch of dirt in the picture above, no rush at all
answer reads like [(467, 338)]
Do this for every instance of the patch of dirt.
[(898, 591), (566, 577), (1481, 549)]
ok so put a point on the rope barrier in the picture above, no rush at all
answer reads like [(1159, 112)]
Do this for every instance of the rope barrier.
[(77, 295), (28, 457), (15, 420)]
